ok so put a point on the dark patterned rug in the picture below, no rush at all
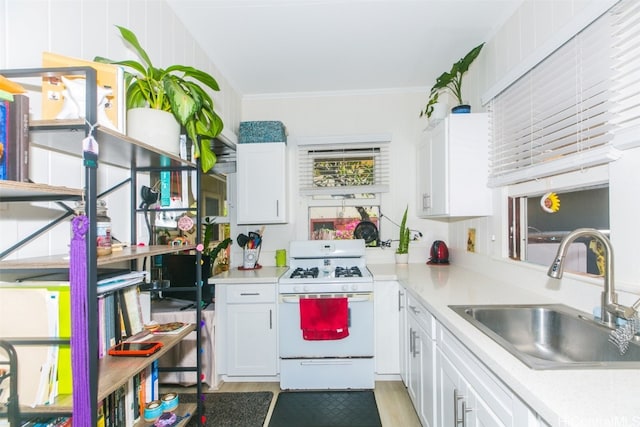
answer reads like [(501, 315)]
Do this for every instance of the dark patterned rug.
[(325, 409), (232, 409)]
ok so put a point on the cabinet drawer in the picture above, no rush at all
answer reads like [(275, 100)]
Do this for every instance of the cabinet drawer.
[(421, 314), (251, 293)]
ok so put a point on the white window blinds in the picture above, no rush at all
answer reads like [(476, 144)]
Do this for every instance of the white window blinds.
[(626, 65), (344, 168), (562, 115)]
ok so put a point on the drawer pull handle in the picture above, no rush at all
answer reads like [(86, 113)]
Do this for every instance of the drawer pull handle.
[(249, 294)]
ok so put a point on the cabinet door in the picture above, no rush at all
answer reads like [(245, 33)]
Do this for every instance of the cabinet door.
[(439, 166), (448, 389), (421, 384), (251, 339), (387, 358), (453, 168), (423, 156), (414, 366), (262, 181), (403, 334)]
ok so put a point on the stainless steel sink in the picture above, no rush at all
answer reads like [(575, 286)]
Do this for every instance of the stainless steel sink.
[(551, 336)]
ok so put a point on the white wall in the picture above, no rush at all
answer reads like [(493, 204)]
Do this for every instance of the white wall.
[(347, 114), (85, 29)]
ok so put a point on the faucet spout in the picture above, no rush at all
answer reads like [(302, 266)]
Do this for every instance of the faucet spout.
[(609, 301)]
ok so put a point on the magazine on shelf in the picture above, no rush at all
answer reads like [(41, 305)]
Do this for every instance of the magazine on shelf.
[(121, 281), (171, 328)]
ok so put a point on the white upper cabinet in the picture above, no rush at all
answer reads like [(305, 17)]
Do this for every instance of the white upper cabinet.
[(453, 168), (262, 183)]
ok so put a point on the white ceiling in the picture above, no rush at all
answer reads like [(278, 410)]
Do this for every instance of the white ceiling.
[(287, 46)]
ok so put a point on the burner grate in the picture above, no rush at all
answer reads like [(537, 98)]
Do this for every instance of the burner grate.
[(304, 273), (348, 272)]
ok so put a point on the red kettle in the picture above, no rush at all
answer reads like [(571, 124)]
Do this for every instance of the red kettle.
[(439, 253)]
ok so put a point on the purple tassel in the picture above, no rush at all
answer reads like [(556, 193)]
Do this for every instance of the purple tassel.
[(79, 323)]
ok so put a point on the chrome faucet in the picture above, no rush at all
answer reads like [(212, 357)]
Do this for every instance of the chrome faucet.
[(610, 309)]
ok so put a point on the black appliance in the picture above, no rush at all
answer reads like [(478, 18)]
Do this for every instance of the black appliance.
[(439, 253), (181, 272)]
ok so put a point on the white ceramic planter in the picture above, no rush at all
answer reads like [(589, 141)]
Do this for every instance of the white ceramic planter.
[(402, 258), (154, 127), (440, 111)]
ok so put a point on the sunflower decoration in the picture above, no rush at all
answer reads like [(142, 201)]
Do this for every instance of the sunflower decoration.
[(598, 249), (550, 202)]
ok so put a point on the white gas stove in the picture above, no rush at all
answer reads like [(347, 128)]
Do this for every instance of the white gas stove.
[(326, 274)]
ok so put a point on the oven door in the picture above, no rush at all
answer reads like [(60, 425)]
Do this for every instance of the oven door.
[(359, 342)]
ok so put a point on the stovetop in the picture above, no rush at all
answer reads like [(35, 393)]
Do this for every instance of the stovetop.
[(327, 266), (314, 272)]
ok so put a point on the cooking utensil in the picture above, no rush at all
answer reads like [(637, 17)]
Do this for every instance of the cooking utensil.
[(242, 240), (255, 238)]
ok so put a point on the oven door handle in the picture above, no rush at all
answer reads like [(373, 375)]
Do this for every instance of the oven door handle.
[(296, 299)]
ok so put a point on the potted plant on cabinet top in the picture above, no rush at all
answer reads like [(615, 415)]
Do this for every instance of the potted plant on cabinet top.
[(402, 253), (452, 81), (175, 90)]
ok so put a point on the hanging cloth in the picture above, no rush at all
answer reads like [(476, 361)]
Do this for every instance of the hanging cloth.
[(324, 318)]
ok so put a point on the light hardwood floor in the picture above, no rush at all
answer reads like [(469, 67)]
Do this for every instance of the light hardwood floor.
[(392, 398)]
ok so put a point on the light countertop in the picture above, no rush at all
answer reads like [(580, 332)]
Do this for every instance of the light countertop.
[(260, 275), (565, 398), (561, 397)]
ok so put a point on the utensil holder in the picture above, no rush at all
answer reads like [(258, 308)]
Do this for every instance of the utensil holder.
[(250, 257)]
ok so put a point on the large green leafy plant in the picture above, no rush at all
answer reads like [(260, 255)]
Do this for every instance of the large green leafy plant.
[(451, 81), (176, 90)]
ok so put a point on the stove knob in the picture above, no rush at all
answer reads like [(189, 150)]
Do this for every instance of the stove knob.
[(345, 287), (296, 288), (305, 288), (354, 287)]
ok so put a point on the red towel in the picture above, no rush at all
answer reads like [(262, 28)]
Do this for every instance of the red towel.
[(324, 318)]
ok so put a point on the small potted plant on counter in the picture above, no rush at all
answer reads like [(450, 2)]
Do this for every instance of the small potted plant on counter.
[(452, 81), (402, 253), (176, 90)]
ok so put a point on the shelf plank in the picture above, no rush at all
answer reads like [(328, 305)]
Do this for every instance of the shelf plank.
[(115, 372), (115, 148), (182, 410), (11, 191), (62, 261)]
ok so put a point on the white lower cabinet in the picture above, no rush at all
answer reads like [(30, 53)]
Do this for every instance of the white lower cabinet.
[(386, 317), (458, 402), (421, 361), (403, 334), (447, 384), (246, 325)]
